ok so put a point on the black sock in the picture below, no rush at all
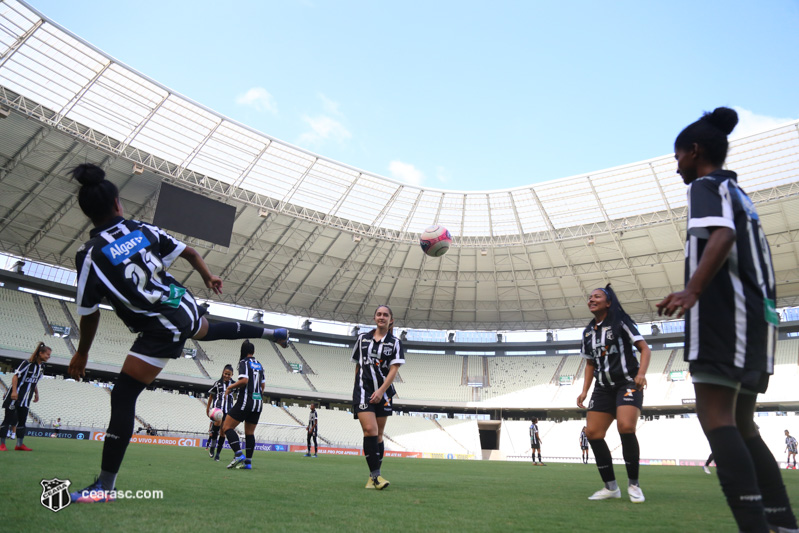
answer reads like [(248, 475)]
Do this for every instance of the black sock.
[(236, 330), (631, 453), (381, 448), (233, 440), (604, 461), (214, 436), (736, 473), (249, 445), (370, 452), (769, 480), (120, 428), (709, 460), (221, 443)]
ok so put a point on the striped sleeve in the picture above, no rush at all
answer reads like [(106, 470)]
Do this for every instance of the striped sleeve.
[(399, 354), (169, 248), (631, 330), (709, 205), (22, 368), (89, 293)]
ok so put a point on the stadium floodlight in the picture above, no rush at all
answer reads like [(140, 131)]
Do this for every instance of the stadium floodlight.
[(138, 169)]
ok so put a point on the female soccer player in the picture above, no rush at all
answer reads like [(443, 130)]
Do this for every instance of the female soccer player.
[(608, 342), (790, 447), (217, 399), (24, 386), (125, 261), (247, 408), (535, 441), (584, 446), (377, 355), (730, 322)]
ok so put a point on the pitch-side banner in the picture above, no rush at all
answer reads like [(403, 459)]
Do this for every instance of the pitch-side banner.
[(259, 446), (328, 451), (62, 433), (148, 439)]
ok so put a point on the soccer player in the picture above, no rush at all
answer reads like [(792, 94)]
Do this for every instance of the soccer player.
[(313, 430), (790, 447), (217, 399), (584, 445), (730, 322), (247, 408), (608, 342), (126, 262), (57, 427), (535, 441), (24, 387), (377, 355)]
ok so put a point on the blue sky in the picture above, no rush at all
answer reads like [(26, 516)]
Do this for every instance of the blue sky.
[(461, 95)]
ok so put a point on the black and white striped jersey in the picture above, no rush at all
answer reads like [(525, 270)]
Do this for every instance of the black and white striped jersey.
[(313, 421), (612, 351), (221, 401), (734, 321), (28, 375), (583, 439), (250, 397), (374, 359), (790, 444), (126, 261), (534, 434)]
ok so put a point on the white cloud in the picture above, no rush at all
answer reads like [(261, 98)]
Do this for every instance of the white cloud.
[(330, 106), (258, 98), (406, 173), (750, 123), (324, 128)]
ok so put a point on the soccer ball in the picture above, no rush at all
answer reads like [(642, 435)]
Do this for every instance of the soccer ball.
[(53, 436), (216, 414), (435, 240)]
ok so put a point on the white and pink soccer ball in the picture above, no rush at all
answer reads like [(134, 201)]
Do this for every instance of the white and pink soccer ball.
[(435, 240), (216, 414)]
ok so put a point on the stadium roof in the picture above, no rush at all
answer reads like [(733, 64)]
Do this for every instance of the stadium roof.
[(317, 238)]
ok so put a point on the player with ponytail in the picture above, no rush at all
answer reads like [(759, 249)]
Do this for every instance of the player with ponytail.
[(24, 387), (126, 262), (730, 322), (608, 343)]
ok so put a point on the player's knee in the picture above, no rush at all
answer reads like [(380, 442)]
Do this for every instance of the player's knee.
[(594, 434)]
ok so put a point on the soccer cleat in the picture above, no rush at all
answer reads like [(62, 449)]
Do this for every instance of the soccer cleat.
[(380, 482), (22, 448), (370, 484), (216, 458), (315, 455), (635, 493), (282, 337), (211, 454), (706, 469), (307, 455), (237, 460), (3, 448), (780, 529), (605, 494), (94, 493), (244, 466)]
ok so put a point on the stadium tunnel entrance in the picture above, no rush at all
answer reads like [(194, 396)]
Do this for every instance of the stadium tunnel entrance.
[(489, 436)]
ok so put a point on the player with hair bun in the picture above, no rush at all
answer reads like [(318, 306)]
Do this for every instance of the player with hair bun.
[(24, 387), (126, 262), (730, 322), (608, 342)]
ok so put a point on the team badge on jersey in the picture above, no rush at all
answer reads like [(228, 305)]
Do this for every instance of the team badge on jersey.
[(387, 350), (55, 493), (124, 247), (608, 334)]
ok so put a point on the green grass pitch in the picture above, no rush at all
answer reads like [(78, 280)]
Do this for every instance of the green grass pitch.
[(288, 492)]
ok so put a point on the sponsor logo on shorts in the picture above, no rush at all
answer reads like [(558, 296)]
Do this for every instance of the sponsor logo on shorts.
[(629, 392), (362, 406)]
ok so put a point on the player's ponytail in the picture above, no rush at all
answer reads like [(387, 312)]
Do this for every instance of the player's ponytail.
[(710, 132), (36, 356), (247, 349), (616, 313), (97, 196)]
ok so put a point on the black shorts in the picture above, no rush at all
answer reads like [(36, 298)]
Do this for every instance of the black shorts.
[(750, 380), (607, 399), (380, 410), (583, 447), (162, 346), (535, 446), (239, 415)]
